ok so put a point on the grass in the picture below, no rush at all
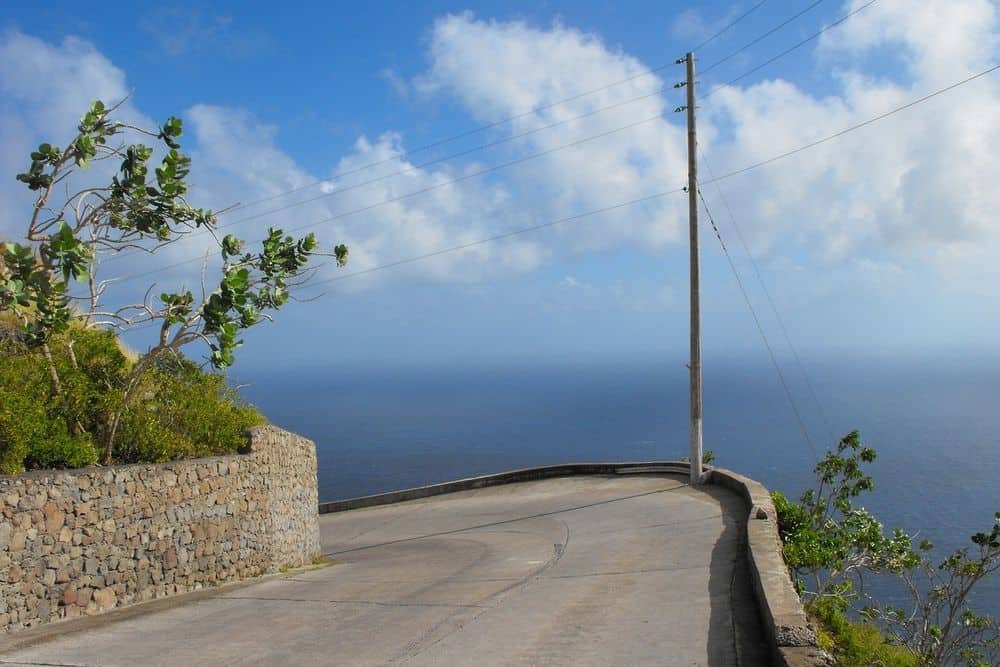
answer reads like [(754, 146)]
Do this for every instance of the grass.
[(317, 562), (856, 644)]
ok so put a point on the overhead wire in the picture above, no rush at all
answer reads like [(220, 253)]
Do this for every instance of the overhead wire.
[(498, 237), (713, 179), (491, 144), (760, 329), (784, 53), (770, 299), (505, 120), (708, 40), (478, 242), (421, 191), (500, 141), (415, 168), (762, 37)]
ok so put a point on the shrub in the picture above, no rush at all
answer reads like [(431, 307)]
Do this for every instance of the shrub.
[(856, 644), (827, 539), (33, 427), (49, 281), (182, 410)]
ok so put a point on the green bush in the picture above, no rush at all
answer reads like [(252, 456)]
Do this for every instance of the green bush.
[(184, 413), (33, 429), (181, 411), (856, 644)]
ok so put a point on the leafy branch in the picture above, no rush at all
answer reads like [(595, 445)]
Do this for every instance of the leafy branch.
[(829, 540), (940, 624), (834, 544)]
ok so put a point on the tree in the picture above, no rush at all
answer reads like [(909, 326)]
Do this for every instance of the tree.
[(834, 544), (827, 539), (940, 625), (50, 282)]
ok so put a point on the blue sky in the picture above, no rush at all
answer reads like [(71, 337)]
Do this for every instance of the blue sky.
[(883, 243)]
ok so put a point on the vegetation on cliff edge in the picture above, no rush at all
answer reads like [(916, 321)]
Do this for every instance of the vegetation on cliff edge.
[(68, 394), (830, 546), (182, 411)]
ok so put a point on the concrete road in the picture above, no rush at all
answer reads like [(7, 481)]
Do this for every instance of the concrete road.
[(618, 570)]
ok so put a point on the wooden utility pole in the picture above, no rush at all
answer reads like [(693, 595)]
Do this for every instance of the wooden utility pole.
[(695, 365)]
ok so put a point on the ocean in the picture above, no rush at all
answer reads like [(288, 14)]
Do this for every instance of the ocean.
[(935, 426)]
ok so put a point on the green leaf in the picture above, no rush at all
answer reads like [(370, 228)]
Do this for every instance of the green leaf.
[(231, 246)]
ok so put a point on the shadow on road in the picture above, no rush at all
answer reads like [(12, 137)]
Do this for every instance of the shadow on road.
[(735, 636)]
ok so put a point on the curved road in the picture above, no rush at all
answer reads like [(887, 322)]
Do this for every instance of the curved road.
[(596, 570)]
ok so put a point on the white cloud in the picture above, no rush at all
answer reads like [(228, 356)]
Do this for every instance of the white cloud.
[(499, 70), (919, 186), (932, 39), (398, 84), (236, 155), (44, 89)]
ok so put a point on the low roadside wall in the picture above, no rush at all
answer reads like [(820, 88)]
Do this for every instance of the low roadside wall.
[(85, 541), (789, 633), (509, 477)]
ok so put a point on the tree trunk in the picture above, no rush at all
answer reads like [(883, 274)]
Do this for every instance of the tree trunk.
[(109, 440), (74, 423), (53, 373)]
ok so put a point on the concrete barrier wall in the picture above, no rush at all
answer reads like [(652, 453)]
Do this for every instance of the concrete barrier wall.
[(790, 635), (76, 542), (509, 477)]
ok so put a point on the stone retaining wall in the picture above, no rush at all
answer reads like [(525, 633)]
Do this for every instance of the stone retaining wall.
[(84, 541)]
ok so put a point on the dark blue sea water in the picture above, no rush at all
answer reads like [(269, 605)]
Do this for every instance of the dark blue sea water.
[(936, 428)]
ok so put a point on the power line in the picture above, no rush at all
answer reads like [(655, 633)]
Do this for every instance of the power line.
[(760, 38), (502, 121), (713, 180), (479, 242), (770, 300), (411, 169), (784, 53), (852, 128), (491, 144), (760, 328), (709, 40), (498, 237), (498, 142), (430, 188)]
